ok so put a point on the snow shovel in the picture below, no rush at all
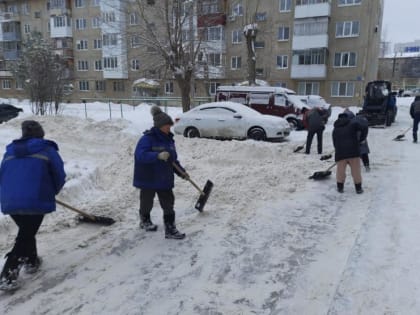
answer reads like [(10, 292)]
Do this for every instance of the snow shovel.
[(322, 174), (299, 148), (327, 156), (86, 217), (401, 136), (204, 194)]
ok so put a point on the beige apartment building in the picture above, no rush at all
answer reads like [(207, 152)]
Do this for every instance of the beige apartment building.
[(323, 47)]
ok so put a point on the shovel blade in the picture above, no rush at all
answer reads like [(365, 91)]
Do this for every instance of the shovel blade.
[(320, 175), (97, 220), (399, 138), (201, 202), (326, 157), (299, 148)]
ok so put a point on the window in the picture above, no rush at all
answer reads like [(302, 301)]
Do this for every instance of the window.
[(316, 56), (282, 62), (342, 89), (214, 33), (283, 33), (82, 44), (82, 65), (79, 3), (214, 60), (345, 59), (308, 88), (236, 62), (259, 71), (97, 43), (98, 65), (285, 5), (19, 85), (27, 28), (135, 64), (259, 44), (100, 85), (96, 3), (96, 22), (260, 16), (238, 9), (25, 8), (134, 18), (110, 62), (6, 84), (347, 29), (108, 17), (109, 39), (316, 27), (306, 2), (169, 87), (80, 24), (84, 85), (236, 36), (62, 21), (213, 87), (348, 2), (135, 41), (118, 86), (37, 14)]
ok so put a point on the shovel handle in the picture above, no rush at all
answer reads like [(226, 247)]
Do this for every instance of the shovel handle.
[(189, 179), (330, 168), (75, 210)]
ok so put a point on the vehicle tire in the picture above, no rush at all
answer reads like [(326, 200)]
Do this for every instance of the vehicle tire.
[(256, 133), (293, 123), (192, 132)]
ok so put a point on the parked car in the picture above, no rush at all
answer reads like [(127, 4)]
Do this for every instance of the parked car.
[(8, 112), (315, 101), (230, 120), (412, 92)]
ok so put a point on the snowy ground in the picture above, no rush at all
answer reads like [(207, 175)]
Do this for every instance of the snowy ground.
[(270, 241)]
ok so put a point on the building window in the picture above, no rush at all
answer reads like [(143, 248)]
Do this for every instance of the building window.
[(37, 14), (345, 59), (109, 40), (238, 9), (283, 33), (260, 44), (282, 62), (308, 88), (135, 41), (62, 21), (214, 33), (347, 29), (259, 71), (80, 24), (6, 84), (342, 89), (310, 56), (96, 3), (82, 65), (135, 64), (134, 18), (317, 27), (348, 2), (96, 22), (98, 65), (214, 60), (108, 17), (19, 85), (84, 85), (82, 44), (27, 28), (213, 87), (118, 86), (110, 63), (236, 62), (25, 8), (79, 3), (169, 87), (285, 5), (236, 37), (100, 85), (260, 16), (97, 43)]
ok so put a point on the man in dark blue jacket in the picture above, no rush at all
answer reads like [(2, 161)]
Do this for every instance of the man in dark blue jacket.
[(415, 114), (31, 174), (154, 173)]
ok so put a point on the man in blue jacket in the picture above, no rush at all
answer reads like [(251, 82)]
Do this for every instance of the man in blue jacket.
[(31, 174), (154, 173)]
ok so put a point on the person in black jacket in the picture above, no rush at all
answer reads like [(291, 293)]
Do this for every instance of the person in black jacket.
[(347, 135), (314, 121), (415, 114)]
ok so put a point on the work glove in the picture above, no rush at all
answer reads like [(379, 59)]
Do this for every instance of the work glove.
[(164, 156), (185, 176)]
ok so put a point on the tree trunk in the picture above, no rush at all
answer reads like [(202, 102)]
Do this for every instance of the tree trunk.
[(184, 84), (250, 36)]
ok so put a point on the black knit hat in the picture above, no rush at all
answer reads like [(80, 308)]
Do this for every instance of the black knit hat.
[(160, 118), (32, 129)]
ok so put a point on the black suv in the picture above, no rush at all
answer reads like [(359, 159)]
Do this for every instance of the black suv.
[(8, 112)]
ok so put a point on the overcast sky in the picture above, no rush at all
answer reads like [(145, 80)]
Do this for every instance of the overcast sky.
[(401, 21)]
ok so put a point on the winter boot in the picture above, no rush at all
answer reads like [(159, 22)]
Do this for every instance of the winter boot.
[(367, 168), (172, 232), (10, 273), (147, 224), (32, 265), (359, 188), (340, 187)]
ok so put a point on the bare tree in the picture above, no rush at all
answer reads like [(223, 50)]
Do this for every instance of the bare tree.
[(42, 73)]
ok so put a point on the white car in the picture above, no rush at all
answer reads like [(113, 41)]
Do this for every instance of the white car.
[(315, 101), (229, 120)]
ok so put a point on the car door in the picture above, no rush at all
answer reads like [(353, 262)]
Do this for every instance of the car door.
[(221, 122)]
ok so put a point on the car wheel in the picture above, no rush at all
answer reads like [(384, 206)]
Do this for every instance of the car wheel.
[(256, 133), (192, 133), (293, 123)]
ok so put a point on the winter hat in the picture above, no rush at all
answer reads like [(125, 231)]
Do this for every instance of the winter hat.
[(32, 129), (160, 118)]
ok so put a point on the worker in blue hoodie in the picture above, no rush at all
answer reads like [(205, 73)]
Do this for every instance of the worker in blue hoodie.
[(31, 174)]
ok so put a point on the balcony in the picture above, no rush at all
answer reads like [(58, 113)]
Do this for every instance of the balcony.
[(312, 10), (9, 16), (5, 74), (212, 19), (66, 53), (309, 41), (117, 73), (11, 54), (60, 11), (64, 31), (308, 72)]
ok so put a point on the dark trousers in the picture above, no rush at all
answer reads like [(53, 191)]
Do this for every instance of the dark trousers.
[(166, 200), (416, 126), (365, 159), (309, 138), (25, 244)]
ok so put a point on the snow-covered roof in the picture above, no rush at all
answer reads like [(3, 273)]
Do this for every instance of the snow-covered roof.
[(146, 83)]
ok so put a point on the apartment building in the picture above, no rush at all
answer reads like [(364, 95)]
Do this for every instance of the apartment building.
[(321, 47)]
